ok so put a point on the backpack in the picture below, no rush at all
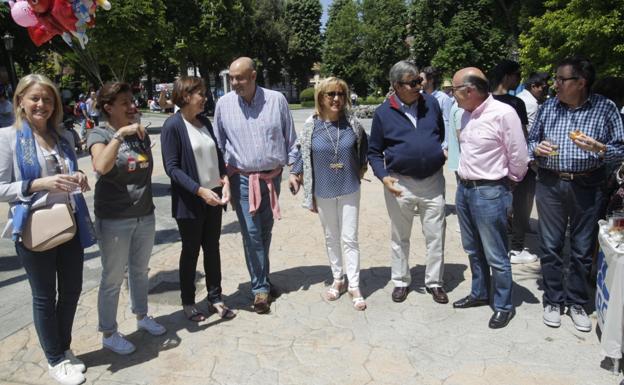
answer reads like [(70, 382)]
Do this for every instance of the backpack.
[(77, 110)]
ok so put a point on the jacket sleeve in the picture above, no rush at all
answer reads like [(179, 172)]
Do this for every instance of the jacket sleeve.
[(376, 148), (10, 189), (172, 152)]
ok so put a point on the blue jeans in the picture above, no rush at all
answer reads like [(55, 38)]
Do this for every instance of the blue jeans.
[(123, 242), (482, 213), (559, 203), (54, 317), (255, 229)]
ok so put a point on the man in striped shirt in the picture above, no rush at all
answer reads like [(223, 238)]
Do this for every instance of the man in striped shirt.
[(574, 135), (255, 131)]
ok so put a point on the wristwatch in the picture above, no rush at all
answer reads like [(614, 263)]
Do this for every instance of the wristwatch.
[(118, 136)]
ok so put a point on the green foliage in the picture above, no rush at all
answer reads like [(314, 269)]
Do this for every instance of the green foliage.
[(372, 100), (384, 33), (307, 104), (269, 37), (303, 18), (307, 95), (594, 29), (343, 45)]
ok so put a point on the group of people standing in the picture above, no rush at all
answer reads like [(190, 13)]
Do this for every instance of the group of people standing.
[(240, 160)]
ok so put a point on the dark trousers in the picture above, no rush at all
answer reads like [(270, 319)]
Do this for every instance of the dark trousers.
[(54, 316), (204, 231), (578, 203), (523, 196)]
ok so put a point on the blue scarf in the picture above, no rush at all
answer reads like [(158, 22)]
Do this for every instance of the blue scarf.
[(26, 154)]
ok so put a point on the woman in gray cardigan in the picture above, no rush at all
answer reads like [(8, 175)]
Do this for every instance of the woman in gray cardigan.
[(332, 161)]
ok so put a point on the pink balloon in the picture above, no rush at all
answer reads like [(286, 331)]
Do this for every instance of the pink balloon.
[(23, 14)]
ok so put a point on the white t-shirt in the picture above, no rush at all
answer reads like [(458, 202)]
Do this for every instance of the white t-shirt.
[(205, 152), (531, 106)]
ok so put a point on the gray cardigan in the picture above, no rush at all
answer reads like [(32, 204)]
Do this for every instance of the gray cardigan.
[(304, 142)]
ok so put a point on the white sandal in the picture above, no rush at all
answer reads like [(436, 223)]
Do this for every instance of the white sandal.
[(335, 290), (358, 301)]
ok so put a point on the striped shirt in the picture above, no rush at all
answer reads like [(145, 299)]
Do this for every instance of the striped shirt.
[(597, 117), (259, 136)]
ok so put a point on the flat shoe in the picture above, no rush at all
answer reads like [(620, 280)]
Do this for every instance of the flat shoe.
[(336, 289), (223, 311), (358, 301)]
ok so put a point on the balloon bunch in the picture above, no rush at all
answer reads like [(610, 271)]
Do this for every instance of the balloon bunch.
[(48, 18)]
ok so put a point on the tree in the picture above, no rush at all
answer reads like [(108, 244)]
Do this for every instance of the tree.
[(343, 45), (594, 29), (269, 38), (304, 38), (384, 34)]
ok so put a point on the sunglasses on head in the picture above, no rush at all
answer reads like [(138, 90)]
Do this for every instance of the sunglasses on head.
[(413, 83), (333, 94)]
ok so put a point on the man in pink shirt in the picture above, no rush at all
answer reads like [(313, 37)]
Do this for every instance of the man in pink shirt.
[(493, 153)]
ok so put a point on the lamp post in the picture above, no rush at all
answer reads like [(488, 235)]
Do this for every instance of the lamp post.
[(8, 46)]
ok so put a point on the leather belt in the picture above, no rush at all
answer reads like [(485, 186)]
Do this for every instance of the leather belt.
[(482, 182), (569, 176)]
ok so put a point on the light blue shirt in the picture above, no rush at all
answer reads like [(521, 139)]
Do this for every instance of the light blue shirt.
[(455, 116), (259, 136)]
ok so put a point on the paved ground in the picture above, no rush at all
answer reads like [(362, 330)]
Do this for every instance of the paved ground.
[(306, 340)]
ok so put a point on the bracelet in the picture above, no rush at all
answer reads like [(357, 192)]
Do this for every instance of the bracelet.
[(118, 136)]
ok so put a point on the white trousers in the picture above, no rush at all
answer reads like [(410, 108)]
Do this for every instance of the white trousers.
[(339, 217), (427, 195)]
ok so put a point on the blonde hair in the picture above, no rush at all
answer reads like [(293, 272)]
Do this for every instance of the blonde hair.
[(23, 86), (321, 90)]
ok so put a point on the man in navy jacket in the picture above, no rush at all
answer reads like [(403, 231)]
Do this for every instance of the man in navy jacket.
[(406, 154)]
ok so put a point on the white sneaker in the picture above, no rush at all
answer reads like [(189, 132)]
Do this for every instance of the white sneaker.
[(579, 318), (552, 315), (78, 364), (117, 343), (152, 327), (523, 256), (66, 373)]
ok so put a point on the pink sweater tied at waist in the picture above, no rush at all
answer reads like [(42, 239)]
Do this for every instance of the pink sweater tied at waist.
[(255, 194)]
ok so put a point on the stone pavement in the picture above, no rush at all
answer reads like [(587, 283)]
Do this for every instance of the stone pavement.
[(306, 340)]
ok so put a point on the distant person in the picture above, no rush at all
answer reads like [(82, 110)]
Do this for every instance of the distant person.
[(6, 109), (255, 131), (534, 94), (92, 110)]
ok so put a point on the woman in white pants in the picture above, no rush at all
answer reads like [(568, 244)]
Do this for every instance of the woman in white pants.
[(332, 161)]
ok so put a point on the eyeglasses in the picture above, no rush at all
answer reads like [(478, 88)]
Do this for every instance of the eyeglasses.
[(333, 94), (561, 80), (413, 83), (454, 89)]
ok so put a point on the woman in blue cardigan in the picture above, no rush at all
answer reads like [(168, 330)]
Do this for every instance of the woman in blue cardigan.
[(199, 190)]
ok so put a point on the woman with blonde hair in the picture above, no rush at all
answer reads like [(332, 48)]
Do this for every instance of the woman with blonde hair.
[(332, 161), (38, 166)]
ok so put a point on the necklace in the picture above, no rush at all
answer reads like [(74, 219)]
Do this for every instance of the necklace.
[(335, 165)]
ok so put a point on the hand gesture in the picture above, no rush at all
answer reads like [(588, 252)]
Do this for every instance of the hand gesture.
[(210, 197), (389, 182)]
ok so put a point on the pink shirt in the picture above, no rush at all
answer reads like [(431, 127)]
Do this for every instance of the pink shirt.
[(492, 143)]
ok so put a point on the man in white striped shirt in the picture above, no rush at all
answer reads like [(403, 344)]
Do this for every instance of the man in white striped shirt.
[(256, 133)]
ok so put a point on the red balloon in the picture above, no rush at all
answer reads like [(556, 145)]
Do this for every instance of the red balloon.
[(55, 17)]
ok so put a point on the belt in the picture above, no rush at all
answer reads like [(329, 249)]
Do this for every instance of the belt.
[(482, 182), (569, 176)]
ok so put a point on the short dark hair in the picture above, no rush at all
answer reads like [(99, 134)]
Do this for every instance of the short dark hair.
[(433, 75), (505, 67), (481, 85), (184, 86), (109, 92), (581, 67), (536, 78)]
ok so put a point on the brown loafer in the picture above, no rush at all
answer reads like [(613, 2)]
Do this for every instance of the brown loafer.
[(438, 294), (399, 293), (261, 303)]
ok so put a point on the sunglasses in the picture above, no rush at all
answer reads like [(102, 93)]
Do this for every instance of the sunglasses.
[(413, 83), (333, 94)]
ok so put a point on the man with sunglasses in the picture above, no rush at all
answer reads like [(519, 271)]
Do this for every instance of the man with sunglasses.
[(493, 151), (406, 154), (588, 132)]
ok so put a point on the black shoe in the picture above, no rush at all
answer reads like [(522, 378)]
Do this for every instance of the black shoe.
[(399, 294), (438, 294), (500, 319), (469, 301)]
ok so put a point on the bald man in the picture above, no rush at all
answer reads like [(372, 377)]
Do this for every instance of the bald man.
[(493, 152), (255, 131)]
